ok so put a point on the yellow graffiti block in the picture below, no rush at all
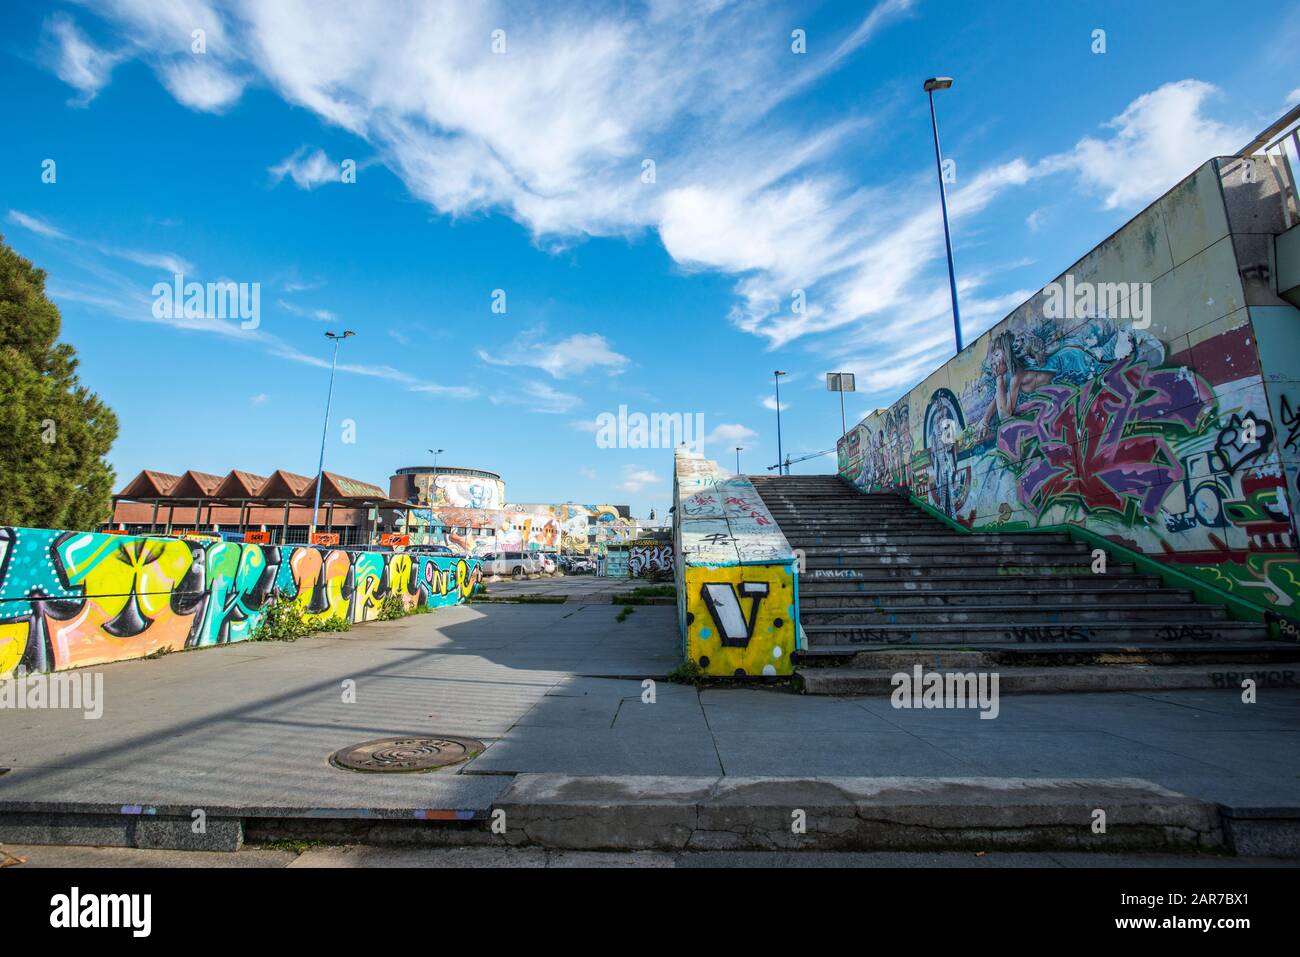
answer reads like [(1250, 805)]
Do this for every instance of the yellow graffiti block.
[(740, 619), (13, 641)]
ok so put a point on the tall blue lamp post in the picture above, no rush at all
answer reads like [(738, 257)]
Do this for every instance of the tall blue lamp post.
[(930, 85), (329, 398)]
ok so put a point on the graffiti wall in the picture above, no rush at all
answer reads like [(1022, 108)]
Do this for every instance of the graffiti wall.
[(69, 599), (648, 558), (1141, 410), (737, 584), (524, 527)]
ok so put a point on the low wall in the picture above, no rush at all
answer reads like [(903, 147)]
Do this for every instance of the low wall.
[(1156, 431), (737, 582), (69, 599)]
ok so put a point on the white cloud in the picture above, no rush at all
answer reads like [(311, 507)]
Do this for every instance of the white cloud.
[(307, 169), (36, 225), (536, 397), (75, 59), (319, 315), (168, 262), (574, 355), (258, 399), (585, 425), (1159, 138), (635, 479), (729, 434), (200, 84), (769, 402)]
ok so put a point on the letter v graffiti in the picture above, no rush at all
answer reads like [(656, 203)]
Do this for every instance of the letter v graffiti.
[(734, 627)]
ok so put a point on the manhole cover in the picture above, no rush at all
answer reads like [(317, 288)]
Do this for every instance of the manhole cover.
[(406, 754)]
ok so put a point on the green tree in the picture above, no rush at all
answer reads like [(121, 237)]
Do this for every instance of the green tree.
[(54, 432)]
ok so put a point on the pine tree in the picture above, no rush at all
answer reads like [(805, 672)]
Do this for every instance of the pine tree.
[(54, 432)]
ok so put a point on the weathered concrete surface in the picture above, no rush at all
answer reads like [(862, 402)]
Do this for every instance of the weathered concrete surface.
[(1073, 678), (358, 856), (728, 813)]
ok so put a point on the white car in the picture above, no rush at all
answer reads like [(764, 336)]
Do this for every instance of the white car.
[(510, 564)]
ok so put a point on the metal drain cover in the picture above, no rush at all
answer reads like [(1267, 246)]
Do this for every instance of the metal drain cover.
[(406, 754)]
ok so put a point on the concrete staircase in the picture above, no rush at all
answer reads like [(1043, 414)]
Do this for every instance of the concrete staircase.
[(881, 575)]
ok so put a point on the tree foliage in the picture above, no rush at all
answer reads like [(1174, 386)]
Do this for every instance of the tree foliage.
[(54, 432)]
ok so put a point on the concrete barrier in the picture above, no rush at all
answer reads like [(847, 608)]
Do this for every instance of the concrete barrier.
[(70, 599), (737, 577)]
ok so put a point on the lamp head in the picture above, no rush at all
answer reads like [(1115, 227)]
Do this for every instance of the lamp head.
[(937, 83)]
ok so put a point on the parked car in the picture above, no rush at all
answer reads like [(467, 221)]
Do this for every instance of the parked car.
[(430, 550), (548, 562), (512, 564)]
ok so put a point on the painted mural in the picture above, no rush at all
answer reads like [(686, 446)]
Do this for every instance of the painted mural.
[(1158, 435), (650, 558), (523, 527), (69, 599), (737, 585)]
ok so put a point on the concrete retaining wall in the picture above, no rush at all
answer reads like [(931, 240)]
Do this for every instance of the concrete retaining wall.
[(69, 599), (1162, 414)]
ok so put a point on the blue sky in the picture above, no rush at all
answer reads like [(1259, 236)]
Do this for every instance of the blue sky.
[(522, 171)]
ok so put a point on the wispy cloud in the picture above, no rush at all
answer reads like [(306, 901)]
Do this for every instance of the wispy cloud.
[(576, 354), (169, 263), (319, 315), (535, 397), (307, 168), (75, 59)]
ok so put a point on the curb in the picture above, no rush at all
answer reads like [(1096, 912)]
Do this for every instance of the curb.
[(857, 814), (1057, 680)]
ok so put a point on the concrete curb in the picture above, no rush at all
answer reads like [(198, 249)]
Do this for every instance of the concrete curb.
[(889, 813), (714, 813), (1076, 678)]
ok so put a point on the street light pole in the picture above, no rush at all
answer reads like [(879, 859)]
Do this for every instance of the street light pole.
[(739, 449), (329, 398), (930, 85), (776, 375), (436, 453)]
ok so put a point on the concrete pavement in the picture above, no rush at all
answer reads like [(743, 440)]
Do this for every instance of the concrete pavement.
[(559, 688)]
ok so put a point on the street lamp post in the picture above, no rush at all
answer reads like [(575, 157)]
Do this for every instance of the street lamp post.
[(436, 453), (329, 398), (739, 449), (776, 375), (930, 85)]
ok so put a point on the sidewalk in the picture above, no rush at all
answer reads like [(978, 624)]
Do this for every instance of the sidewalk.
[(557, 688)]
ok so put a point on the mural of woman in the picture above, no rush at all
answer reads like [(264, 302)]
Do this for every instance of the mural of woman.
[(1020, 365)]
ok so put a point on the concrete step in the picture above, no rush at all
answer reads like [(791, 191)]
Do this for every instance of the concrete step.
[(977, 569), (736, 813), (892, 589), (875, 657), (882, 682), (932, 539), (1187, 626), (1013, 611), (820, 599), (1039, 551), (866, 556)]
